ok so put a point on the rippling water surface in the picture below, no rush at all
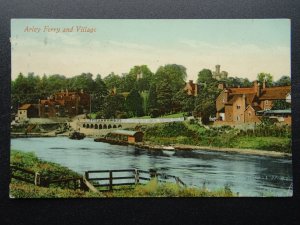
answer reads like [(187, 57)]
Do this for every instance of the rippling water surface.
[(246, 174)]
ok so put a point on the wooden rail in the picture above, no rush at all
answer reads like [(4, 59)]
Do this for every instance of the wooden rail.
[(35, 178), (91, 179), (134, 177)]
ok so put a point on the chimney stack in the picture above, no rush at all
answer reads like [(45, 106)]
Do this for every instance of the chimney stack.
[(256, 87)]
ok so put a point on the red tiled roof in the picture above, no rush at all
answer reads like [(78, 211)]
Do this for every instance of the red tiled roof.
[(273, 93), (24, 107)]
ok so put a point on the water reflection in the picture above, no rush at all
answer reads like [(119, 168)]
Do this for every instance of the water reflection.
[(246, 174)]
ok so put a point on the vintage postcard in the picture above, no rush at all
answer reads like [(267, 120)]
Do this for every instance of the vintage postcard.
[(150, 108)]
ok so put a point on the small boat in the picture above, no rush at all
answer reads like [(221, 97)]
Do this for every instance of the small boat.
[(110, 141), (77, 135)]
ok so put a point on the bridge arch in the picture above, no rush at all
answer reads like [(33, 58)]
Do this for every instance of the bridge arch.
[(92, 125), (114, 126), (109, 126), (120, 126), (83, 125), (100, 126), (104, 126), (87, 126), (96, 126)]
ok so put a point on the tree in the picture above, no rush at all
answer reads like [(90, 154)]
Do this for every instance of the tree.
[(283, 81), (113, 106), (113, 81), (183, 102), (176, 75), (206, 101), (267, 77), (134, 103), (152, 99), (281, 104), (99, 93), (204, 76), (164, 96), (83, 82)]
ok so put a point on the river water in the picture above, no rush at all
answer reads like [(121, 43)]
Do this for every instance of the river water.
[(246, 174)]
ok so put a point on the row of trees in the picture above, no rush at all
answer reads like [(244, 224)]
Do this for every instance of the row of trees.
[(139, 92)]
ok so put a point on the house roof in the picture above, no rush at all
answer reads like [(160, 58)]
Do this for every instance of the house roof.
[(24, 107), (239, 91), (125, 132), (274, 93)]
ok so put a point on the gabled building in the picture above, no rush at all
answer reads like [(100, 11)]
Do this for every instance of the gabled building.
[(27, 111), (65, 103), (192, 88), (240, 105)]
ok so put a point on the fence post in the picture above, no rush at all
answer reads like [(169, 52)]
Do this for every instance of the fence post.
[(37, 179), (137, 177), (110, 180), (152, 173)]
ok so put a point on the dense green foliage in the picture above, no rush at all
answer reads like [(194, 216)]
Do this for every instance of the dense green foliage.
[(138, 92), (263, 137)]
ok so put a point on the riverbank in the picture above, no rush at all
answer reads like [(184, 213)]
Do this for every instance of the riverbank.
[(20, 189), (269, 141), (186, 147)]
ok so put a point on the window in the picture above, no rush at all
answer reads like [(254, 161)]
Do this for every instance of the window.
[(267, 102), (238, 106), (238, 118), (249, 113)]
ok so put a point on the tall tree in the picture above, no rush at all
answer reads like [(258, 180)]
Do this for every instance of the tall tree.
[(83, 82), (283, 81), (134, 103), (265, 77), (113, 81), (176, 75), (204, 76), (164, 96), (152, 98), (99, 94)]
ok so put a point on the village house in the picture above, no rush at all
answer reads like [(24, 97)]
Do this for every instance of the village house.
[(27, 111), (241, 105), (191, 88), (65, 103)]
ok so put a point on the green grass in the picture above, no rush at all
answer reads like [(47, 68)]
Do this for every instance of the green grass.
[(195, 134)]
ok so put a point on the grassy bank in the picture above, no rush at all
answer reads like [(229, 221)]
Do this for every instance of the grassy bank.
[(262, 138), (20, 189)]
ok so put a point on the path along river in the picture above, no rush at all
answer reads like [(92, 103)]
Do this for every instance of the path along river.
[(247, 174)]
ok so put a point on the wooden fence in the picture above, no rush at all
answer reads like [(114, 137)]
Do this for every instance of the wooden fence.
[(95, 180), (108, 179), (37, 179)]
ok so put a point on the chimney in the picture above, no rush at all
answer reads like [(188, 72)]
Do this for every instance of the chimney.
[(218, 69), (221, 86), (196, 90), (256, 87), (264, 84), (225, 96)]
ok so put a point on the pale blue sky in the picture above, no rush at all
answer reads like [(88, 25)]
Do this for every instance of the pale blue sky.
[(242, 47)]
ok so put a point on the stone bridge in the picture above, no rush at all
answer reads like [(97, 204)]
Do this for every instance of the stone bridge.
[(98, 127)]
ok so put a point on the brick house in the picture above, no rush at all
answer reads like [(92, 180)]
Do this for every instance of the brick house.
[(26, 111), (191, 88), (65, 103), (240, 105)]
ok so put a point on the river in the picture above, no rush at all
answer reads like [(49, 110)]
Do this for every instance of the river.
[(246, 174)]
